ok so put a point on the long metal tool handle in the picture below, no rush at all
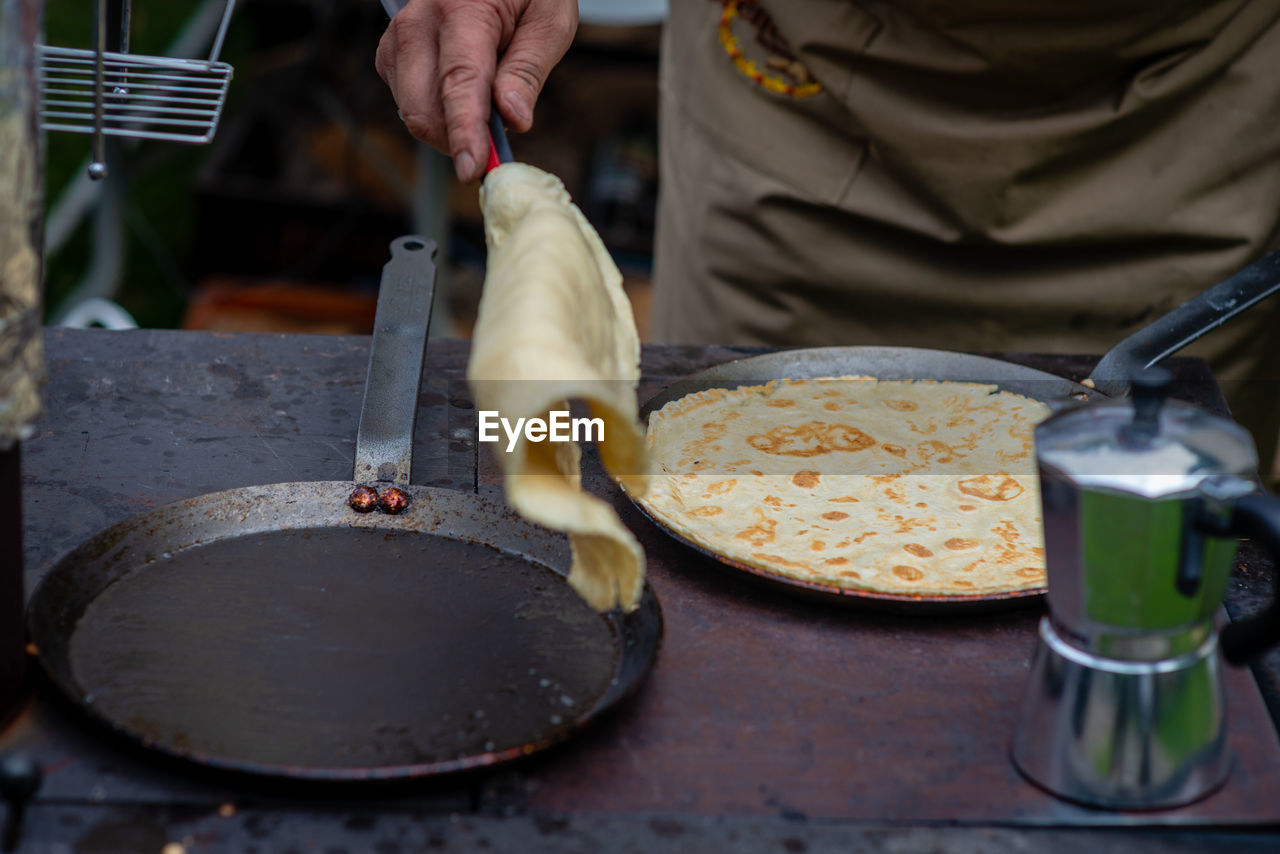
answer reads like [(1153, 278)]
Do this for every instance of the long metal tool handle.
[(384, 443), (1186, 323)]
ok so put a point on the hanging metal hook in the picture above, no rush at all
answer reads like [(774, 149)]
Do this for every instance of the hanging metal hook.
[(98, 165)]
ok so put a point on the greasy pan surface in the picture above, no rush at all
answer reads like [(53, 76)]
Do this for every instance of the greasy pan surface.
[(273, 630), (886, 363)]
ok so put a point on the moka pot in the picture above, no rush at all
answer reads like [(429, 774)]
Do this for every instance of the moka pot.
[(1143, 504)]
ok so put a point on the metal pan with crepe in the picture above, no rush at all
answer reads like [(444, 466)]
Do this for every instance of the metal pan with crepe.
[(1148, 346)]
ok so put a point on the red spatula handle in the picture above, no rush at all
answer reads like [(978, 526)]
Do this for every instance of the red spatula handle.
[(499, 148)]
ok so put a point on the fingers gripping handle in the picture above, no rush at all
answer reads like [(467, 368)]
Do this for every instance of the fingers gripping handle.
[(499, 147)]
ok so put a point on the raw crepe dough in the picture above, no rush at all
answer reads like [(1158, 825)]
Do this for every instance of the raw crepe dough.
[(896, 487), (554, 325)]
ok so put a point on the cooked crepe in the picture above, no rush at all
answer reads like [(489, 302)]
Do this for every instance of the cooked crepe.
[(554, 325), (902, 487)]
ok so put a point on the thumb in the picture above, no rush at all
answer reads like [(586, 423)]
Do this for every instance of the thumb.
[(538, 43)]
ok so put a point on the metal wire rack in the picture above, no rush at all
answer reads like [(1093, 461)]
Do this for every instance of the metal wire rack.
[(103, 93)]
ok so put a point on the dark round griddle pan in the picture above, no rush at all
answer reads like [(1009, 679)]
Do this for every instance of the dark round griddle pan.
[(1110, 377), (274, 630)]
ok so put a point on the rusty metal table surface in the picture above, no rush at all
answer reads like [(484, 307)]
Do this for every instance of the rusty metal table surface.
[(770, 723)]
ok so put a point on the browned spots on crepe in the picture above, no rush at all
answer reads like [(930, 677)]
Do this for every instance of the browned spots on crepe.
[(706, 510), (778, 559), (849, 573), (711, 433), (991, 487), (931, 449), (720, 487), (764, 531), (806, 479), (1006, 531), (687, 404), (1029, 572), (810, 440), (908, 525), (908, 508)]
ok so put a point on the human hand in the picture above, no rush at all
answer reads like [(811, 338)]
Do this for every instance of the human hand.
[(447, 61)]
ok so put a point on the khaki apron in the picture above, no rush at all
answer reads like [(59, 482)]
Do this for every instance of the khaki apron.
[(975, 175)]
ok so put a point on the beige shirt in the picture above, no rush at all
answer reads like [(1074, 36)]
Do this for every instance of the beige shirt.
[(969, 174)]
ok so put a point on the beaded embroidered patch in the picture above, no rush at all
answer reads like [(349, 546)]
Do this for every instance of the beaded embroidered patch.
[(790, 77)]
